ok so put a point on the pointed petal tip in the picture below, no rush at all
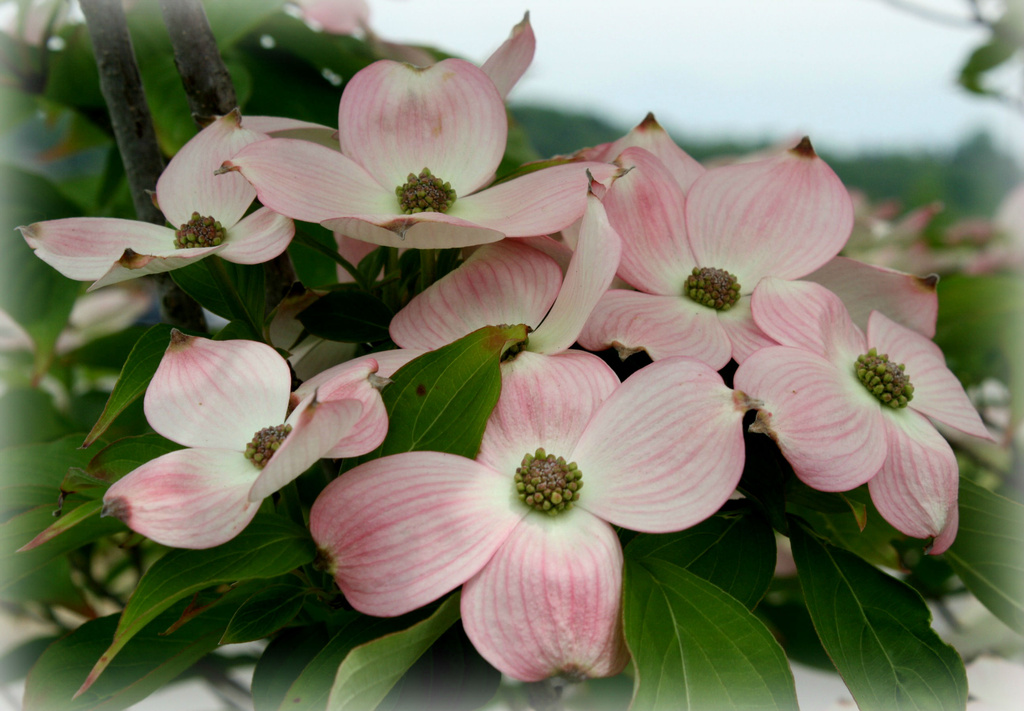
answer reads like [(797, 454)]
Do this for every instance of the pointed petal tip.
[(226, 167), (804, 148), (179, 339), (116, 507), (762, 425), (744, 402), (649, 123), (928, 283)]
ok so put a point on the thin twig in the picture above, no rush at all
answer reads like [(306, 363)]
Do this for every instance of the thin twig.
[(944, 18)]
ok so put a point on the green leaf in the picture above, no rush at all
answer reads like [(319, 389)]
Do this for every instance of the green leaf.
[(124, 456), (31, 475), (283, 660), (265, 612), (349, 316), (734, 550), (138, 370), (877, 630), (441, 401), (29, 415), (987, 551), (270, 546), (371, 670), (232, 291), (67, 520), (983, 59), (696, 647)]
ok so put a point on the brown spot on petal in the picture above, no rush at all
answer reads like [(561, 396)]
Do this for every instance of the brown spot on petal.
[(762, 425), (804, 148), (118, 508), (324, 561), (179, 339), (133, 260)]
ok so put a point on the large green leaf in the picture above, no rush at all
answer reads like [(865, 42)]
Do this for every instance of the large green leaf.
[(695, 647), (347, 315), (266, 611), (877, 630), (371, 670), (284, 660), (232, 291), (270, 546), (31, 475), (987, 551), (733, 550)]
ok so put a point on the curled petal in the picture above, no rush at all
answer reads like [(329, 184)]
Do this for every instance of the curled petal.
[(258, 238), (826, 423), (665, 450), (396, 119), (916, 489), (217, 393), (510, 61), (403, 530), (549, 601), (191, 498), (426, 230), (132, 264)]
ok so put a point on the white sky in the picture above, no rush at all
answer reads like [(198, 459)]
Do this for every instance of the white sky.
[(849, 73)]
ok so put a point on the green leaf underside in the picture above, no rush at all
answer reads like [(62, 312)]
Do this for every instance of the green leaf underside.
[(987, 552), (268, 547), (877, 631), (372, 669), (695, 647)]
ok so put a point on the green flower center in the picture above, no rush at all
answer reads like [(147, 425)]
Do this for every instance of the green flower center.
[(546, 483), (264, 443), (425, 193), (885, 380), (715, 288), (199, 231)]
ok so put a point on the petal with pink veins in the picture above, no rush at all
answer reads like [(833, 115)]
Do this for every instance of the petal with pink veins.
[(511, 60), (501, 283), (132, 265), (916, 489), (645, 206), (191, 498), (649, 135), (426, 230), (665, 450), (661, 325), (217, 393), (549, 601), (316, 427), (784, 216), (403, 530), (258, 237), (863, 288), (589, 275), (742, 332), (395, 119), (825, 422), (937, 392)]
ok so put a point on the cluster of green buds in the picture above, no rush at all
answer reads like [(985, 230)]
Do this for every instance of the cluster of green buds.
[(199, 231), (424, 193), (715, 288), (885, 380), (264, 443), (547, 483)]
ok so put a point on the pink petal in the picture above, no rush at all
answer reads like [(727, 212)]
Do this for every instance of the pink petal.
[(546, 401), (539, 203), (336, 16), (511, 60), (426, 230), (649, 134), (864, 288), (353, 250), (258, 238), (646, 208), (403, 530), (549, 600), (937, 392), (784, 216), (828, 426), (83, 248), (396, 119), (316, 427), (281, 124), (191, 498), (589, 275), (189, 183), (665, 450), (217, 393), (742, 332), (916, 489), (310, 182), (661, 325), (132, 265), (501, 283)]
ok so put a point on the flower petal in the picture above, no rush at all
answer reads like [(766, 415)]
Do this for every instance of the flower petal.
[(937, 392), (665, 450), (916, 489), (132, 264), (504, 282), (649, 134), (589, 275), (338, 18), (828, 426), (189, 183), (743, 334), (549, 601), (661, 325), (511, 60), (426, 230), (905, 298), (191, 498), (403, 530), (396, 119), (316, 427), (258, 237), (217, 393), (784, 216)]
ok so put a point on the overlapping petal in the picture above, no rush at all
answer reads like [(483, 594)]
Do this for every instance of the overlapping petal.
[(132, 265), (510, 61), (426, 230), (258, 237), (741, 330)]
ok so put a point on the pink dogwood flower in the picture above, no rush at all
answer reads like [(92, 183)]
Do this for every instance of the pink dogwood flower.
[(695, 260), (207, 211), (847, 408), (526, 527), (417, 147), (228, 403)]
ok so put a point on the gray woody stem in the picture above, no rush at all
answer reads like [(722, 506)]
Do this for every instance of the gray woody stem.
[(206, 79)]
